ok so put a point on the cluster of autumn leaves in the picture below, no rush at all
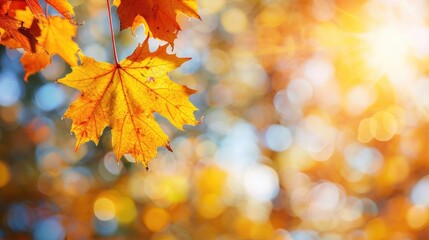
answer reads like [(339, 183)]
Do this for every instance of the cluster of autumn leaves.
[(24, 24), (122, 96)]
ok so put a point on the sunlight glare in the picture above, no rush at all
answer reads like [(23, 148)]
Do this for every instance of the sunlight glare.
[(388, 48)]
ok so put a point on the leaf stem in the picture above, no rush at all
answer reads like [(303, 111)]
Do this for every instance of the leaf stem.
[(112, 33), (47, 11)]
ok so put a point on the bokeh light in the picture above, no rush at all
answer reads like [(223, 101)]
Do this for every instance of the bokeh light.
[(156, 219), (4, 174), (104, 209), (49, 97), (50, 228), (11, 89)]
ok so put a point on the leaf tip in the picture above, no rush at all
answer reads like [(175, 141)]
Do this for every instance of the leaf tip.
[(189, 91), (198, 122), (168, 147)]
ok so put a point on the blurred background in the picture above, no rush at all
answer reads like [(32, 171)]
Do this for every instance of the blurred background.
[(315, 127)]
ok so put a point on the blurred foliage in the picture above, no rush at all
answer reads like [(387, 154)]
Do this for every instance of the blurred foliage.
[(315, 127)]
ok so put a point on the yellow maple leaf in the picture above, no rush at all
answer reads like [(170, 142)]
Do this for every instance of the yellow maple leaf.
[(124, 97), (57, 38), (157, 16)]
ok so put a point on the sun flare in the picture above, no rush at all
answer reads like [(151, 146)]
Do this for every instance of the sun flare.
[(388, 48)]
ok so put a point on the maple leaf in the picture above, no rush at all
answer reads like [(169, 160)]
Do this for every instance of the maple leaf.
[(14, 30), (124, 97), (24, 15), (35, 7), (157, 16), (17, 32), (4, 7), (7, 40), (62, 6), (34, 62), (23, 29), (55, 38)]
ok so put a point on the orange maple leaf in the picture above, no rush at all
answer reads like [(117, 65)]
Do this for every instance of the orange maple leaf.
[(34, 62), (63, 7), (22, 24), (35, 7), (56, 38), (17, 33), (125, 97), (157, 16), (4, 7), (7, 41)]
